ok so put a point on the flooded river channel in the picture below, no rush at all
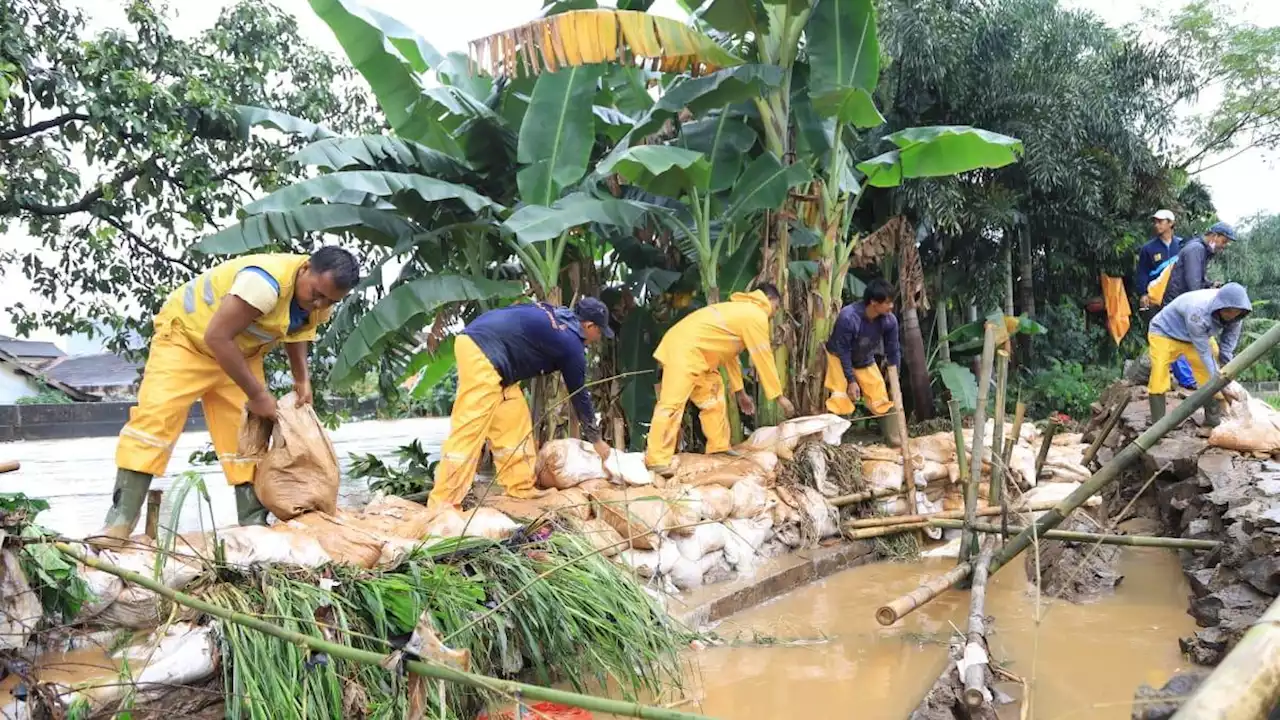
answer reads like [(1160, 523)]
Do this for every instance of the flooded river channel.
[(819, 652)]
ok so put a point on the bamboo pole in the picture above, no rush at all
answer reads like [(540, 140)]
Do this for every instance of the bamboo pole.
[(957, 428), (1246, 684), (908, 475), (1019, 414), (979, 428), (9, 466), (1073, 536), (1110, 472), (900, 607), (882, 530), (1112, 420), (975, 676), (152, 526), (365, 657), (853, 498), (1045, 444), (948, 515), (996, 487)]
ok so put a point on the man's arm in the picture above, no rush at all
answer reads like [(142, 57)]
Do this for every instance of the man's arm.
[(755, 336), (299, 368), (892, 341), (1192, 261), (1200, 328), (233, 317), (573, 369), (1230, 338), (843, 335)]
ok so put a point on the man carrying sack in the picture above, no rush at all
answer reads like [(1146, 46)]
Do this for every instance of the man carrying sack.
[(861, 329), (210, 340), (691, 355), (499, 350)]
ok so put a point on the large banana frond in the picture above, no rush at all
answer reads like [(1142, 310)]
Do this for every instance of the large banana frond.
[(584, 37)]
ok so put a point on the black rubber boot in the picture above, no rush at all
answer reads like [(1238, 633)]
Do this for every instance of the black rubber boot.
[(127, 499), (249, 509), (1213, 413), (889, 430), (1157, 405)]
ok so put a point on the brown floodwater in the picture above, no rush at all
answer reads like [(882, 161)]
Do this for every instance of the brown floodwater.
[(818, 652)]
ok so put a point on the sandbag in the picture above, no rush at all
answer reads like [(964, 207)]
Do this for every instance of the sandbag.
[(668, 556), (628, 467), (743, 539), (299, 472), (724, 470), (783, 439), (706, 538), (686, 511), (716, 501), (1248, 426), (482, 522), (602, 536), (643, 562), (880, 474), (638, 516), (137, 607), (104, 588), (343, 542), (184, 656), (20, 611), (715, 568), (255, 545), (749, 499), (686, 574), (568, 462), (938, 447), (393, 516)]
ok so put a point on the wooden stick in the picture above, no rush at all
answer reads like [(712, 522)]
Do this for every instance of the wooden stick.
[(152, 526), (1045, 444), (876, 494), (1019, 414), (975, 676), (996, 487), (365, 657), (1110, 472), (979, 428), (957, 428), (988, 511), (875, 532), (9, 466), (1117, 410), (1086, 537), (893, 611), (908, 475), (1246, 684)]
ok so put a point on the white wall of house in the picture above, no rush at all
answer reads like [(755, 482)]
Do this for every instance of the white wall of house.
[(14, 386)]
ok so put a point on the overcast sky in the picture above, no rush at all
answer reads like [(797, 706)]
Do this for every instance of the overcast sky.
[(1242, 187)]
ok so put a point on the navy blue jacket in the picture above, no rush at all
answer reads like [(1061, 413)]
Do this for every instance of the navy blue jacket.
[(855, 339), (1190, 272), (1151, 260), (525, 341)]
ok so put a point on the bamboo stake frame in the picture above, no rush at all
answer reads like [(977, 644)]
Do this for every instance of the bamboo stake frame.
[(908, 473), (1073, 536), (1104, 432), (979, 429)]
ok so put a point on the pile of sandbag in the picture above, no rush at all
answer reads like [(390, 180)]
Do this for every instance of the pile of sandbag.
[(1249, 425), (717, 514)]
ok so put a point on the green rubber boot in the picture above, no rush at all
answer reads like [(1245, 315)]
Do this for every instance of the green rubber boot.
[(127, 498), (889, 429), (1157, 405), (249, 509), (1213, 413)]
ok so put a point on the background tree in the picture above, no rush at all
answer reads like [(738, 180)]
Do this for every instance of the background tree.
[(118, 148)]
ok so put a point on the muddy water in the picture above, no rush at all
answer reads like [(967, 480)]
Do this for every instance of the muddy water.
[(77, 476), (818, 652)]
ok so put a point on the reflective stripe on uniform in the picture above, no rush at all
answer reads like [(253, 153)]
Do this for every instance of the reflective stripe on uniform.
[(208, 289), (142, 437), (259, 333), (189, 298)]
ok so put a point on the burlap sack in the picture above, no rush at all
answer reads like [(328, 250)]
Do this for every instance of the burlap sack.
[(299, 472)]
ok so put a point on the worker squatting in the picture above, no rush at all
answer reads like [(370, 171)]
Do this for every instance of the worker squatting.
[(213, 332)]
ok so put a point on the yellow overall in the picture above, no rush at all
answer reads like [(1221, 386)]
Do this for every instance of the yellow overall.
[(691, 355), (484, 410), (870, 382), (181, 369), (1164, 352)]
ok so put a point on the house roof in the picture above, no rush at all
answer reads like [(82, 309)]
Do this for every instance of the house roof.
[(94, 371), (29, 348), (22, 368)]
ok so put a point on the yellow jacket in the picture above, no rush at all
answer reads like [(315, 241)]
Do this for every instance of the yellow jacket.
[(192, 305), (714, 336)]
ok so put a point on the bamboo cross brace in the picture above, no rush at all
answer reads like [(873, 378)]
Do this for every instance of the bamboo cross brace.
[(1034, 506), (979, 429), (1087, 537), (365, 657), (853, 498)]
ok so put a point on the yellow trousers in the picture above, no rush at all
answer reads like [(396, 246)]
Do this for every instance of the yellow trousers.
[(484, 410), (678, 387), (869, 380), (177, 375), (1164, 352)]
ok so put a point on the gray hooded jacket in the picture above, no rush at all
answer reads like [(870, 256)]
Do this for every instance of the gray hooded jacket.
[(1190, 318)]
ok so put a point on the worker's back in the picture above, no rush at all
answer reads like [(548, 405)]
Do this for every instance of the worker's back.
[(714, 333), (524, 341)]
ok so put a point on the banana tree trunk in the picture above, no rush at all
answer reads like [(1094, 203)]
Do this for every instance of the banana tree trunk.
[(917, 362)]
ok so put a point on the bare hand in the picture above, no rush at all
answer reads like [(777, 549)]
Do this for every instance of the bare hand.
[(602, 449), (263, 405), (1145, 302), (788, 410), (303, 392), (854, 392), (745, 403)]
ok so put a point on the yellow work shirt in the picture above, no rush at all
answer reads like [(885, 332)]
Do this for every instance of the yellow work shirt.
[(714, 336)]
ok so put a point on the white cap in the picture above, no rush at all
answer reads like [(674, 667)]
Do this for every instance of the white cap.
[(1163, 215)]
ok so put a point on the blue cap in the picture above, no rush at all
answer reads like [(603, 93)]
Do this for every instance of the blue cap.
[(1224, 230), (592, 310)]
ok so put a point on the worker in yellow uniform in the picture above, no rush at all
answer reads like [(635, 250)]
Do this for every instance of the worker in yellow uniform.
[(862, 329), (1203, 326), (210, 340), (691, 355), (496, 352)]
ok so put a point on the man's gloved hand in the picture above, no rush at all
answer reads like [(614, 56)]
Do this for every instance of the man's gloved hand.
[(1235, 392)]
